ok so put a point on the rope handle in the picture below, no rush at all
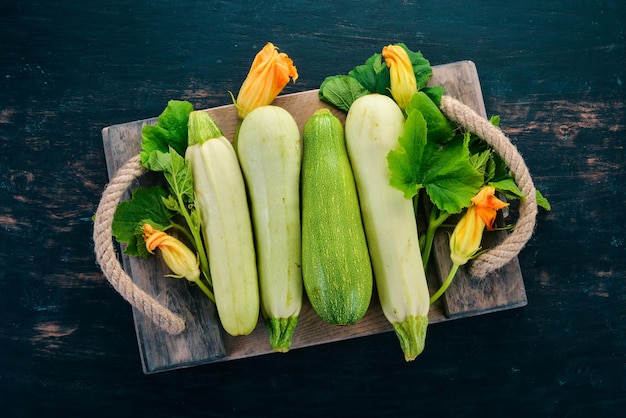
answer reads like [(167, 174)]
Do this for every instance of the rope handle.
[(107, 258), (501, 254), (489, 261)]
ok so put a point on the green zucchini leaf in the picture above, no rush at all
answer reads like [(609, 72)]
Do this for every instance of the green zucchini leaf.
[(509, 188), (373, 75), (445, 172), (177, 172), (542, 202), (180, 178), (434, 93), (146, 205), (440, 129), (341, 91), (449, 177), (405, 163), (170, 130)]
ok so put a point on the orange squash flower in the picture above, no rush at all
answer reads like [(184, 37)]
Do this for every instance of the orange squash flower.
[(178, 257), (468, 233), (269, 74), (401, 75)]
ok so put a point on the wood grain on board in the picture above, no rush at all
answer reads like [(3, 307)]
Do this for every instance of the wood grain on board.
[(203, 341)]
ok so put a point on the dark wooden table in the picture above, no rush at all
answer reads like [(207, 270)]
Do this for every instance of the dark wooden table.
[(553, 71)]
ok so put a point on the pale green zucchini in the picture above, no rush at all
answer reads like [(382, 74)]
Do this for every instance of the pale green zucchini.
[(222, 203), (270, 154), (373, 125), (336, 267)]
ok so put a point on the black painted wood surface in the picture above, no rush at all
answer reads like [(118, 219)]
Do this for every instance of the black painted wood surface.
[(553, 71)]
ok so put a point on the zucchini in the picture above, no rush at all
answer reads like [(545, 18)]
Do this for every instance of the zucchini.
[(373, 125), (222, 204), (270, 154), (336, 267)]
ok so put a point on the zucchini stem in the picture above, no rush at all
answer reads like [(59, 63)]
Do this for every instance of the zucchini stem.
[(198, 243), (281, 332), (437, 218), (445, 284), (183, 231), (205, 290), (204, 266), (412, 335)]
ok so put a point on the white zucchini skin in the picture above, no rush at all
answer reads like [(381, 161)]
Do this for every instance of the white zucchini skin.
[(222, 203), (270, 154), (373, 125)]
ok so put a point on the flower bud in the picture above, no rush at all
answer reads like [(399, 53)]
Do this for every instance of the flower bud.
[(401, 75), (178, 257), (467, 235)]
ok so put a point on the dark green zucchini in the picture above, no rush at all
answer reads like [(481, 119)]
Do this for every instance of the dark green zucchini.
[(336, 266)]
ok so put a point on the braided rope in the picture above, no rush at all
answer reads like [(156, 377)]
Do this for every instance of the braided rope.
[(500, 255), (107, 259)]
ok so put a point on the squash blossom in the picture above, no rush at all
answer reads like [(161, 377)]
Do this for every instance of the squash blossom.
[(468, 233), (401, 75), (178, 257), (269, 74)]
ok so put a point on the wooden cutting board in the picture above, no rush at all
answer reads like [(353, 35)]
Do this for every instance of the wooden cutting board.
[(203, 341)]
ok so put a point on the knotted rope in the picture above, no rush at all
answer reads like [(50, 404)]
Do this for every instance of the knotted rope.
[(107, 258), (489, 261), (501, 254)]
